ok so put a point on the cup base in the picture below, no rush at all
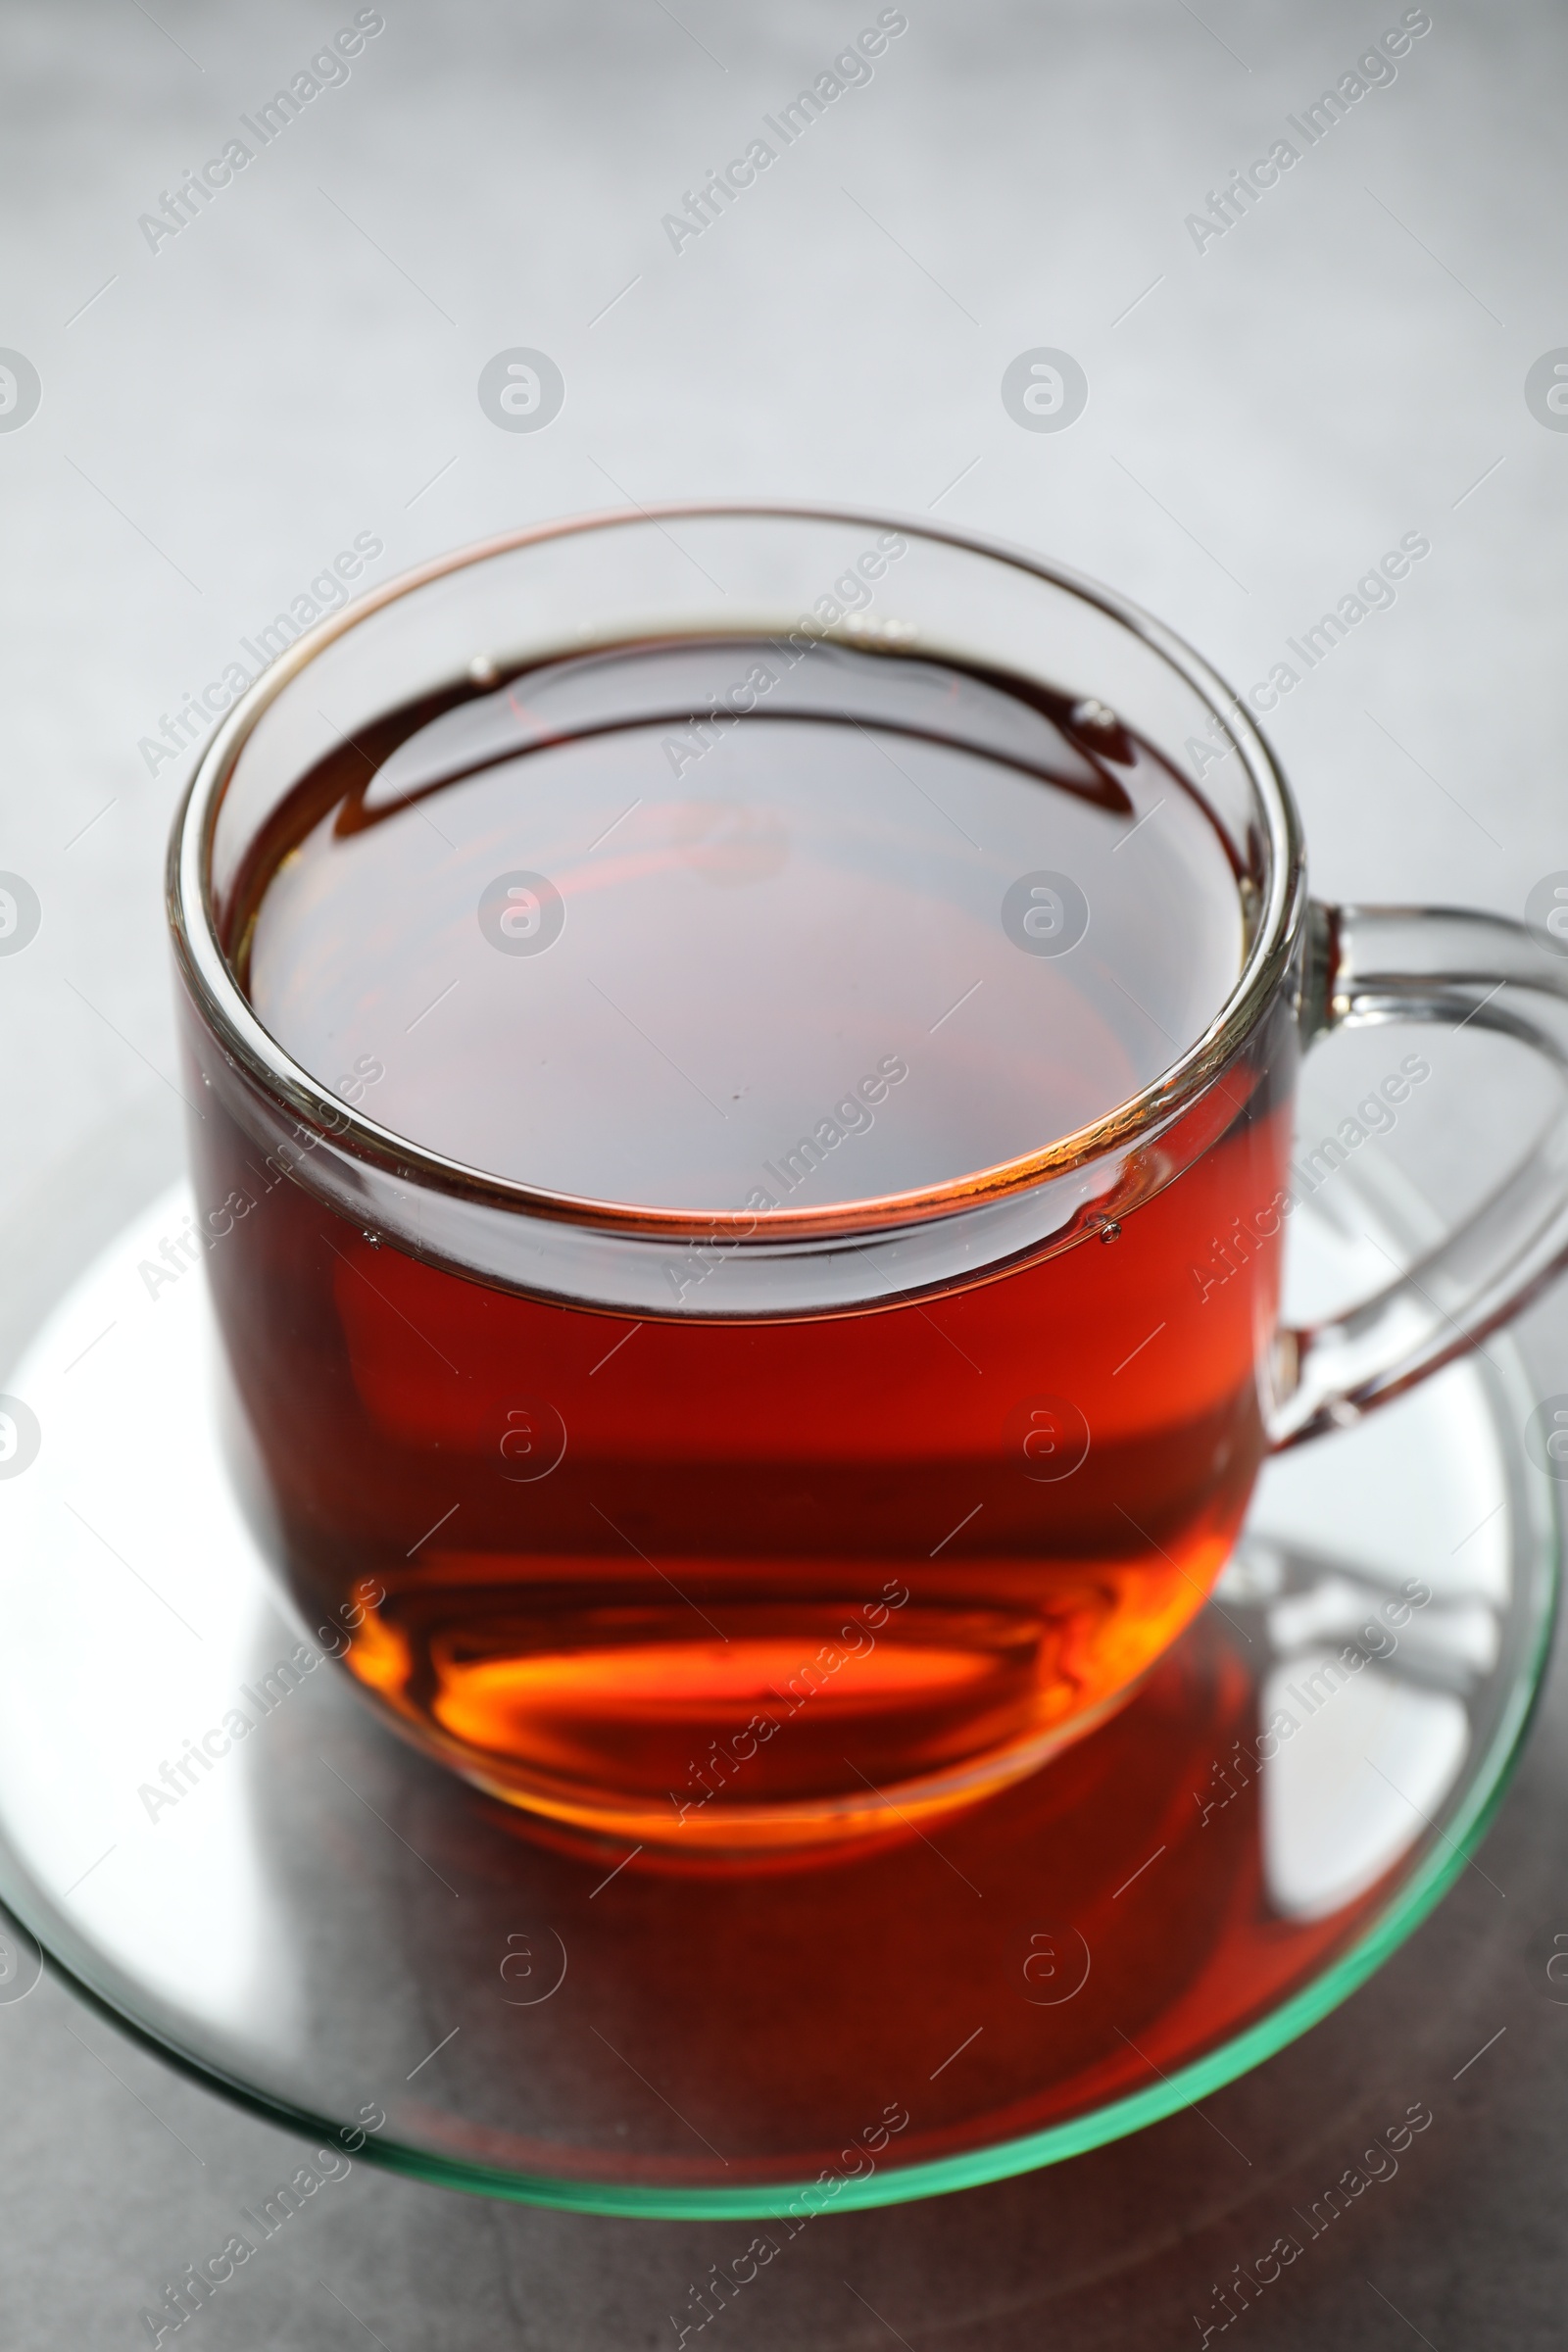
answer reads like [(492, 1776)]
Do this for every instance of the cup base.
[(737, 1836)]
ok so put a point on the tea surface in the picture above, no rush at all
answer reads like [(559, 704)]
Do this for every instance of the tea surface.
[(600, 934)]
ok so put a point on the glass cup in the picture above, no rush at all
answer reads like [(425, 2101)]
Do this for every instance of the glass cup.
[(737, 1532)]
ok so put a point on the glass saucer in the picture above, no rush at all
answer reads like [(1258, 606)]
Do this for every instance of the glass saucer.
[(212, 1837)]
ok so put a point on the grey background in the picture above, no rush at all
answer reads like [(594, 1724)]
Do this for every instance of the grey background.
[(1263, 419)]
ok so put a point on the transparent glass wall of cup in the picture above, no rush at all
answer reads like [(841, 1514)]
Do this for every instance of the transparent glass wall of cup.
[(801, 1573)]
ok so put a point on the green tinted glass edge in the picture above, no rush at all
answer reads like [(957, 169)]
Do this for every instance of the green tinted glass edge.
[(1538, 1540)]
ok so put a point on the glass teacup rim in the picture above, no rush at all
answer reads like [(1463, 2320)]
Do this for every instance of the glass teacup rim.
[(293, 1088)]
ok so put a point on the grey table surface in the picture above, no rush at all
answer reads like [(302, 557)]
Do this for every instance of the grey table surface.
[(1268, 409)]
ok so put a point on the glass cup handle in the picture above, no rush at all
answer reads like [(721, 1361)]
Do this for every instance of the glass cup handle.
[(1370, 964)]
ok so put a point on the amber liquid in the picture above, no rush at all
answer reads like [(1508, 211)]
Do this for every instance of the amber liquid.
[(711, 1586)]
